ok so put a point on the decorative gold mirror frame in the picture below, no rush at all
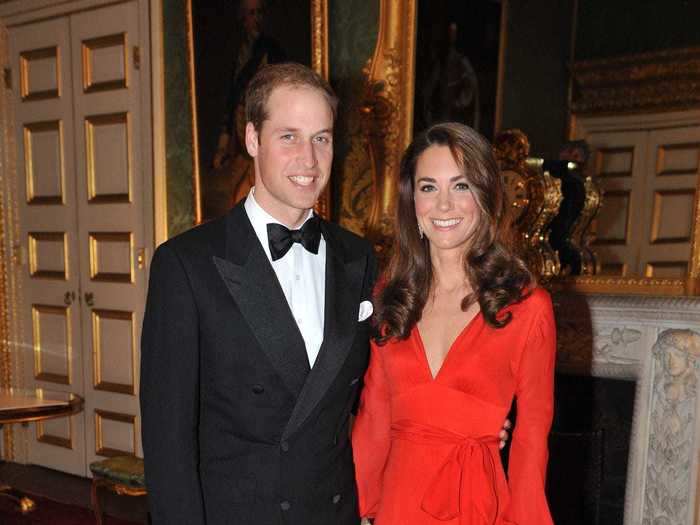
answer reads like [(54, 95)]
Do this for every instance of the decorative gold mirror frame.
[(319, 63), (645, 83)]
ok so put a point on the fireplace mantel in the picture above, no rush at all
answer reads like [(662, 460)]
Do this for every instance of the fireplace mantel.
[(654, 341)]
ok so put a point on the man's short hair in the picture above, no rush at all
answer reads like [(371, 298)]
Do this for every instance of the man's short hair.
[(289, 74)]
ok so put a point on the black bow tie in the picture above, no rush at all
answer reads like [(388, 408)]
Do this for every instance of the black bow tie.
[(281, 238)]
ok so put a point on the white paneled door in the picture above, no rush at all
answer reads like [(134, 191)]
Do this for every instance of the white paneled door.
[(80, 130), (645, 226)]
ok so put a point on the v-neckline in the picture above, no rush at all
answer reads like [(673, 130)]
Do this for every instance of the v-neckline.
[(424, 355)]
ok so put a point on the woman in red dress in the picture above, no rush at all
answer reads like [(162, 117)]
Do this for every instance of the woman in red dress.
[(462, 331)]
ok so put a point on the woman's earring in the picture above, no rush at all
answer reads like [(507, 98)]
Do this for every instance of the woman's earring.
[(420, 232)]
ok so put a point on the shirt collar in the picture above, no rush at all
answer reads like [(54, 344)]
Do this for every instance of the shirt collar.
[(259, 218)]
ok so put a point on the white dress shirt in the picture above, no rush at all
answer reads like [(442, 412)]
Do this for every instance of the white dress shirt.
[(302, 276)]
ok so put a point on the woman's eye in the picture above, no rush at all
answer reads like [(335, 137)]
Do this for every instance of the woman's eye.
[(426, 188), (462, 186), (323, 139)]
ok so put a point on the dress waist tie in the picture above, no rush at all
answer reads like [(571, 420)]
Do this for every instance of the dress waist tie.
[(466, 484)]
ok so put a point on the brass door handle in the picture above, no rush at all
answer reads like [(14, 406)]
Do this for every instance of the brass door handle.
[(89, 299), (68, 298)]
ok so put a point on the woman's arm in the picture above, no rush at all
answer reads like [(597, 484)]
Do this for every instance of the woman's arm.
[(535, 402)]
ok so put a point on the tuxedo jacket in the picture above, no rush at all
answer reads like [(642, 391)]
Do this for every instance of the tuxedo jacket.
[(236, 427)]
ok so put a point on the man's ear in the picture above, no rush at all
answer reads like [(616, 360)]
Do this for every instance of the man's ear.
[(251, 140)]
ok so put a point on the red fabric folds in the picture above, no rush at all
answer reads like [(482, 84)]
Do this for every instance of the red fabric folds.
[(466, 484)]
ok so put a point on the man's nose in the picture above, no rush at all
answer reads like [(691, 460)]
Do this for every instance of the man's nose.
[(308, 154)]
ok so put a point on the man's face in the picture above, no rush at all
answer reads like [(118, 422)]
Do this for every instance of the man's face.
[(292, 152), (252, 15)]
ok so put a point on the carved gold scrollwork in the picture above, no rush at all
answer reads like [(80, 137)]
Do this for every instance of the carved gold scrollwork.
[(543, 207), (581, 237), (319, 63), (534, 197), (387, 115), (658, 81)]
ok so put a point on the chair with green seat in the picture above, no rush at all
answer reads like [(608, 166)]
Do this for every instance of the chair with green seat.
[(123, 475)]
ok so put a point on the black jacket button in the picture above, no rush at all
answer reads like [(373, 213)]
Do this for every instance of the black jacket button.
[(284, 446), (258, 389), (285, 505), (336, 499)]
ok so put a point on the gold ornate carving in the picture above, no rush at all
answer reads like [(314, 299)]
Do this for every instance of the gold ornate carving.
[(616, 285), (544, 204), (356, 174), (657, 81), (319, 37), (693, 281), (196, 180), (319, 63), (536, 206), (386, 122), (581, 236)]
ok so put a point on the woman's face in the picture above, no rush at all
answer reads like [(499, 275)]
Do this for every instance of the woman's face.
[(445, 206)]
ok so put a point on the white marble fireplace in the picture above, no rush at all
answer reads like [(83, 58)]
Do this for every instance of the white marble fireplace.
[(654, 341)]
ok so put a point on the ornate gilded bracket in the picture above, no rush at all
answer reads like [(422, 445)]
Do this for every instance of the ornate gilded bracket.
[(581, 237), (534, 197)]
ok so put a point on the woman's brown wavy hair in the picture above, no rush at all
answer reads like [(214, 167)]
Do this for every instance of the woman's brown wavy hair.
[(498, 277)]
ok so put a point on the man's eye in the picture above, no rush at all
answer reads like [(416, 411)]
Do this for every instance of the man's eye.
[(323, 139), (287, 137)]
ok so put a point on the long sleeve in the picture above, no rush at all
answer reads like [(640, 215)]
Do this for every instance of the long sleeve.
[(371, 435), (535, 403), (169, 394)]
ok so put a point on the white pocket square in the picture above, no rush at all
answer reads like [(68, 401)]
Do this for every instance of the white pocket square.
[(365, 310)]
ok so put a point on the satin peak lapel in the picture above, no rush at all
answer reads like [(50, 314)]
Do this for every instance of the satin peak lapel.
[(254, 287), (343, 291)]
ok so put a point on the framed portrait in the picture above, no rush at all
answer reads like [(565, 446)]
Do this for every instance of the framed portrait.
[(231, 40), (457, 60)]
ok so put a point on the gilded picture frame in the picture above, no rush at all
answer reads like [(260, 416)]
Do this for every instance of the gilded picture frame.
[(204, 170)]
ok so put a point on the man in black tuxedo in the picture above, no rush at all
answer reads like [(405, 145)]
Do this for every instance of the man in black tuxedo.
[(255, 337)]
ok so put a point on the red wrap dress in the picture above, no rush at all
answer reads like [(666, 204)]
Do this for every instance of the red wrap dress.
[(426, 449)]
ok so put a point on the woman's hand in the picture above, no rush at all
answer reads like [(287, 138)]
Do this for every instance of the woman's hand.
[(503, 434)]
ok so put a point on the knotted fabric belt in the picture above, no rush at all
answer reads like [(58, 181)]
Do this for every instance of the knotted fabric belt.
[(466, 484)]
